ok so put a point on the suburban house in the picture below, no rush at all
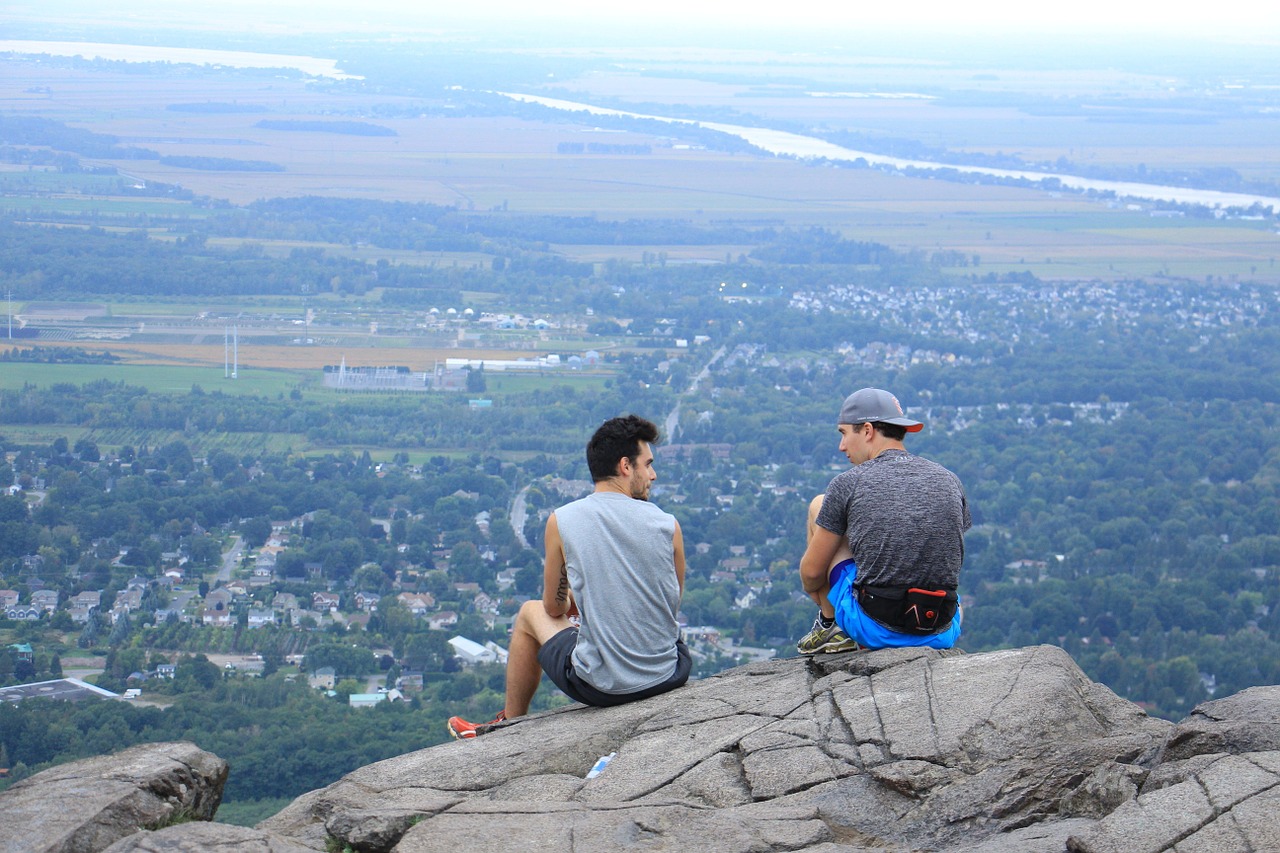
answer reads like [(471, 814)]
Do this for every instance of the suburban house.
[(219, 599), (324, 677), (443, 619), (217, 618), (45, 599), (419, 603), (323, 601), (259, 617), (297, 615), (284, 602), (83, 604)]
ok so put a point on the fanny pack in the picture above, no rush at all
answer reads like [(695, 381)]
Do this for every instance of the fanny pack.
[(909, 610)]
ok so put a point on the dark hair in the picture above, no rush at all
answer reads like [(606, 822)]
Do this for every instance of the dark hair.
[(890, 431), (617, 438)]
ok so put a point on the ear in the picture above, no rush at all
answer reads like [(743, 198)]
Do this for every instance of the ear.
[(624, 466)]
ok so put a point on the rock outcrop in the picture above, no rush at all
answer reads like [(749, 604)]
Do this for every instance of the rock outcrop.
[(86, 805), (888, 750), (895, 750)]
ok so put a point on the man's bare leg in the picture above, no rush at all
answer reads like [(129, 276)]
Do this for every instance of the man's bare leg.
[(820, 596), (533, 628)]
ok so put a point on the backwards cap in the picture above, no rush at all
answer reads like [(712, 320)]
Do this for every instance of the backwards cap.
[(875, 406)]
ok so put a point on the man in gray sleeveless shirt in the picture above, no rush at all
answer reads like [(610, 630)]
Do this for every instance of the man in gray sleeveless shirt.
[(885, 543), (616, 562)]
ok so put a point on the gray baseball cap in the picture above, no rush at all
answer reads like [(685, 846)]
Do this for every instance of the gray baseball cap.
[(875, 406)]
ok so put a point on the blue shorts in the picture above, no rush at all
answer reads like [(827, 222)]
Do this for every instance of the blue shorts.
[(868, 632)]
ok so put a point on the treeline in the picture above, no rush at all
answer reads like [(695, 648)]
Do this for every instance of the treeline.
[(541, 422), (403, 225), (601, 148), (347, 128), (51, 263), (47, 263), (58, 355), (33, 130), (216, 108), (221, 164)]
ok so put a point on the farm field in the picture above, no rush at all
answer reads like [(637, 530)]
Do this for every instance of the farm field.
[(484, 163), (206, 359)]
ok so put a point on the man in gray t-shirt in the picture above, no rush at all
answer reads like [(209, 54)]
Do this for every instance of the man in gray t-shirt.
[(885, 543), (616, 562)]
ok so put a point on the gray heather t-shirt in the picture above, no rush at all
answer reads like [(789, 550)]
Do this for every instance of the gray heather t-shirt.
[(620, 555), (904, 518)]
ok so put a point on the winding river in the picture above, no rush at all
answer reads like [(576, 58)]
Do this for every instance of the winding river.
[(786, 144)]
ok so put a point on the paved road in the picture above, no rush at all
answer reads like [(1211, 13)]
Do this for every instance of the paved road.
[(230, 560), (519, 512), (671, 425)]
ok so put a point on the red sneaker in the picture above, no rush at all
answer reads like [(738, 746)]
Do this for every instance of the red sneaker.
[(463, 730)]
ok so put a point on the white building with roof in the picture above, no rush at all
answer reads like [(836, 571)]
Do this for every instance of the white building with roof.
[(470, 652)]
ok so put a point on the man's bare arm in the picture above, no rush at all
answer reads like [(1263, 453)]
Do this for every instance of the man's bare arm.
[(556, 596), (678, 542)]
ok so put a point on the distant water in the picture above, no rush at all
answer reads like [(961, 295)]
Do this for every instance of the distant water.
[(184, 55), (809, 148)]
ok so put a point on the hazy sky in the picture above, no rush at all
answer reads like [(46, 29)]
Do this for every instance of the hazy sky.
[(1248, 20), (1199, 16)]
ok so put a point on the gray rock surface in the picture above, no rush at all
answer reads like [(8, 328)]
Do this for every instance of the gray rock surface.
[(204, 838), (888, 750), (1248, 721), (86, 805), (898, 750)]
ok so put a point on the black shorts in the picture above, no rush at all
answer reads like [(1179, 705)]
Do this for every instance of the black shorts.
[(556, 659)]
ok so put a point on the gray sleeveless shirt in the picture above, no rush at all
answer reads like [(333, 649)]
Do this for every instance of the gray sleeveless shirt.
[(620, 555)]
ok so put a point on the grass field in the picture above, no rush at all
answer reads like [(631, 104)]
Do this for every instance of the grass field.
[(161, 379), (280, 374)]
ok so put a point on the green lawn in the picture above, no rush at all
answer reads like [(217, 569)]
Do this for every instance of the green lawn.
[(162, 379)]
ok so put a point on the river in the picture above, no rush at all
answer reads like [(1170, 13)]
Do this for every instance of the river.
[(782, 143)]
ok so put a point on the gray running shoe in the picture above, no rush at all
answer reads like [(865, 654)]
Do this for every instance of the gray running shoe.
[(821, 639)]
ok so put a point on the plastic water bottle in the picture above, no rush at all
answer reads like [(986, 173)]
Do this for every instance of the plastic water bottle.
[(601, 763)]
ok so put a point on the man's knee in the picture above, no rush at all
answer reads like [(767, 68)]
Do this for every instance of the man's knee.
[(526, 616), (533, 619)]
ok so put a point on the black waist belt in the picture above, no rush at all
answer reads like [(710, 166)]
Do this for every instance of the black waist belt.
[(909, 610)]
